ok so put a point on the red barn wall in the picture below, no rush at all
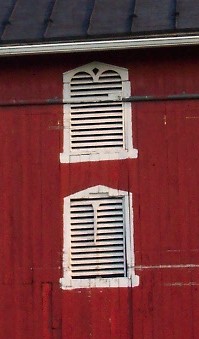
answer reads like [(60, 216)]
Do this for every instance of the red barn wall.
[(164, 181)]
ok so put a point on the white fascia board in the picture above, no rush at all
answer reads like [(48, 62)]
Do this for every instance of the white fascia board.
[(98, 45)]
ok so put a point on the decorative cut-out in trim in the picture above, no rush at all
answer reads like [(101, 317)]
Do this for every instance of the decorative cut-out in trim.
[(97, 124), (98, 239)]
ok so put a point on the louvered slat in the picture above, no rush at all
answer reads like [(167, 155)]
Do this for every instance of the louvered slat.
[(98, 266), (99, 273), (98, 86), (106, 256), (96, 106), (95, 120), (110, 242), (90, 261), (92, 255), (86, 237), (99, 119), (103, 203), (94, 250), (103, 128), (95, 143)]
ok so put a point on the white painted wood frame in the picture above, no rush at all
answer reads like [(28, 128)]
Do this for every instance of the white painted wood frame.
[(95, 118), (100, 194)]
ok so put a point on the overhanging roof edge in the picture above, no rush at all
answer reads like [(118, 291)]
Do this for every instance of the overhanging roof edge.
[(98, 45)]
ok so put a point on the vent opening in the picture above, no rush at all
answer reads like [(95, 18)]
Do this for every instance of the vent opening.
[(98, 246), (97, 252), (96, 121)]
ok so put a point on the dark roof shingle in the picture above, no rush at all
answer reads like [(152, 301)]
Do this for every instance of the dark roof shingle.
[(27, 21), (44, 20), (69, 18), (111, 17), (154, 15), (187, 14)]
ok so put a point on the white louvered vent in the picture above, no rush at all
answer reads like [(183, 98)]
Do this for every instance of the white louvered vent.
[(94, 124), (97, 238), (97, 123)]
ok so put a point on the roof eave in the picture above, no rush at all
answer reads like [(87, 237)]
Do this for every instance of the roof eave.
[(98, 45)]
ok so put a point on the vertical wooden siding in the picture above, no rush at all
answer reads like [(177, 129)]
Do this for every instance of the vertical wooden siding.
[(164, 185), (30, 241), (164, 182)]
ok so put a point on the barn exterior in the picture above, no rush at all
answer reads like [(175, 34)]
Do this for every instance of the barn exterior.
[(139, 161)]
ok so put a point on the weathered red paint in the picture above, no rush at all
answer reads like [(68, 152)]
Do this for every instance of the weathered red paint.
[(164, 181)]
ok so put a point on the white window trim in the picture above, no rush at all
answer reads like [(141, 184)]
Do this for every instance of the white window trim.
[(131, 280), (110, 154)]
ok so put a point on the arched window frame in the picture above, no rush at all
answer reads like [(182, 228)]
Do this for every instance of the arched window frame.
[(130, 279), (127, 151)]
